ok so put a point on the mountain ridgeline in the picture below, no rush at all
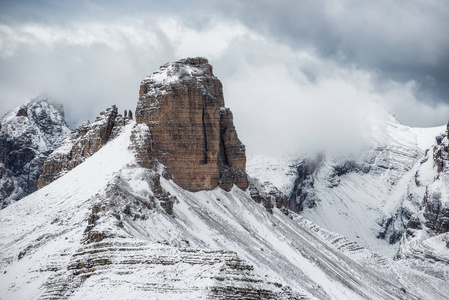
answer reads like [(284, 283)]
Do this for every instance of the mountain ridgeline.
[(191, 131), (82, 143), (167, 206)]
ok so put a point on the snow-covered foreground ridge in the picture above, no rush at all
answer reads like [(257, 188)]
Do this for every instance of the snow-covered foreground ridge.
[(104, 231)]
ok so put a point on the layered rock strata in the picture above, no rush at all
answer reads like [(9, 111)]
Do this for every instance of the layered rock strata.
[(106, 247), (28, 134), (191, 131), (82, 143)]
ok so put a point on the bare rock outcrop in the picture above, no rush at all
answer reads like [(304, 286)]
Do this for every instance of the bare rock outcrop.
[(436, 199), (268, 195), (303, 193), (191, 131), (28, 134), (82, 143), (436, 211)]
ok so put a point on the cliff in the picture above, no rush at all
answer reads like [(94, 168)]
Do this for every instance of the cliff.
[(191, 131)]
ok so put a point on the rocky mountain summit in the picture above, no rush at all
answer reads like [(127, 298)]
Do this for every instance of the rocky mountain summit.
[(162, 208), (192, 132), (28, 134), (82, 143)]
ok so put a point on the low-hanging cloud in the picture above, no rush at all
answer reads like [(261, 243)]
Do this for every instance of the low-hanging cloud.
[(89, 66), (401, 40), (293, 84), (277, 115)]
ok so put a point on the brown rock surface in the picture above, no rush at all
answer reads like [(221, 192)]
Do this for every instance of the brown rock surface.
[(82, 143), (191, 132)]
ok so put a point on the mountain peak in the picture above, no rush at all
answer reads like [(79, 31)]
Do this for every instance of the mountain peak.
[(46, 115), (186, 66), (121, 220), (187, 69), (28, 134), (82, 143), (192, 133)]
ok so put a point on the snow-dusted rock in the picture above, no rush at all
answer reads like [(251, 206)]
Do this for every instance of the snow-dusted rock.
[(101, 232), (82, 143), (368, 197), (192, 133), (28, 134), (425, 245), (114, 227)]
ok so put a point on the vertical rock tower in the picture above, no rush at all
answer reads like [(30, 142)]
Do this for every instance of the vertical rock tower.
[(191, 131)]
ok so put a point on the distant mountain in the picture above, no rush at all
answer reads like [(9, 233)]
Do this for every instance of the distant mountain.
[(28, 134), (121, 220), (391, 197)]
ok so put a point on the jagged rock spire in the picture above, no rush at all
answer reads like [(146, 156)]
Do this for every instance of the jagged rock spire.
[(191, 131), (82, 143)]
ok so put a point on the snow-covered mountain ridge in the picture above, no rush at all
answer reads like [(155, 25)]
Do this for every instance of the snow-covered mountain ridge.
[(28, 134), (369, 197), (115, 221), (100, 230), (82, 142)]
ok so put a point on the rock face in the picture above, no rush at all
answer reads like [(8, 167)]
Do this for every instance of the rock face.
[(436, 212), (28, 134), (82, 143), (436, 199), (427, 235), (302, 193), (267, 194), (191, 131)]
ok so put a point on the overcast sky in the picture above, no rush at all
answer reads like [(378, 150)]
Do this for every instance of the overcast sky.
[(296, 74)]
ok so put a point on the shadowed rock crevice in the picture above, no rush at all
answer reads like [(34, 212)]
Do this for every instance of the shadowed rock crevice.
[(205, 139)]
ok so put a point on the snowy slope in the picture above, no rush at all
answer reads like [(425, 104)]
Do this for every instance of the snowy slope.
[(101, 231), (425, 245), (368, 197)]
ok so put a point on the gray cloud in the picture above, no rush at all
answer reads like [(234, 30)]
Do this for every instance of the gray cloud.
[(401, 40), (301, 75)]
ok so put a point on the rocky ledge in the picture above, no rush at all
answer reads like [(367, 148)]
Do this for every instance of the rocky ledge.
[(82, 143)]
